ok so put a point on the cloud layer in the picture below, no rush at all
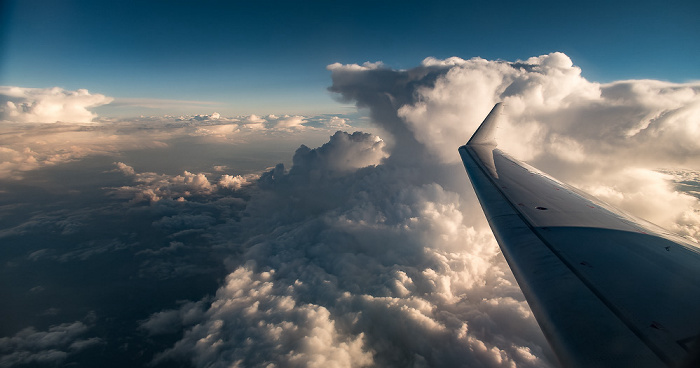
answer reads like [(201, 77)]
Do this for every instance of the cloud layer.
[(371, 249), (51, 347), (29, 143), (379, 255), (346, 260)]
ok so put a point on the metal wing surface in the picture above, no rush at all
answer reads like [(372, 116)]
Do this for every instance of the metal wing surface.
[(607, 289)]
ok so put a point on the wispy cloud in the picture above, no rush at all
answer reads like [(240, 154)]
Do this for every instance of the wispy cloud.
[(164, 104)]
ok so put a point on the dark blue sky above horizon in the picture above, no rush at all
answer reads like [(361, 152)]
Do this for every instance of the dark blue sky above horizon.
[(268, 56)]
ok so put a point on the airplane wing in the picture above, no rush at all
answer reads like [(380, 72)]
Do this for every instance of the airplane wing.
[(607, 289)]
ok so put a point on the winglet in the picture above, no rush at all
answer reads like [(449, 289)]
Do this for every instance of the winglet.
[(486, 133)]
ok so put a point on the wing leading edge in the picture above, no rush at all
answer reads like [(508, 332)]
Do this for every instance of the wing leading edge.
[(607, 289)]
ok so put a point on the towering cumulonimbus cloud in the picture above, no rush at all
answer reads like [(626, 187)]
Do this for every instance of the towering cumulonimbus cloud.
[(547, 103), (586, 133), (373, 252)]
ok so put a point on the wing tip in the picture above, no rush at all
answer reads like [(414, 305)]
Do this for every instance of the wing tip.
[(486, 132)]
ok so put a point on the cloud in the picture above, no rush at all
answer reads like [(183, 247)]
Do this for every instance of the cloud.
[(28, 146), (214, 116), (61, 222), (354, 67), (170, 321), (49, 105), (33, 146), (174, 246), (371, 249), (125, 169), (290, 122), (50, 347), (274, 328), (547, 101), (234, 182), (13, 161), (152, 187), (587, 133), (159, 103), (254, 122), (652, 196), (379, 246), (344, 152), (347, 261), (337, 122)]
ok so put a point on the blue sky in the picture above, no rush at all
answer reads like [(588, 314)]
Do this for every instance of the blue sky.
[(270, 56)]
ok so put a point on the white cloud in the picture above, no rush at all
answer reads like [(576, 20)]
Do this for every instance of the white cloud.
[(152, 187), (254, 122), (236, 182), (652, 196), (338, 67), (49, 105), (254, 322), (337, 122), (290, 122), (349, 263), (443, 114), (583, 132), (342, 153), (125, 169), (219, 131)]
